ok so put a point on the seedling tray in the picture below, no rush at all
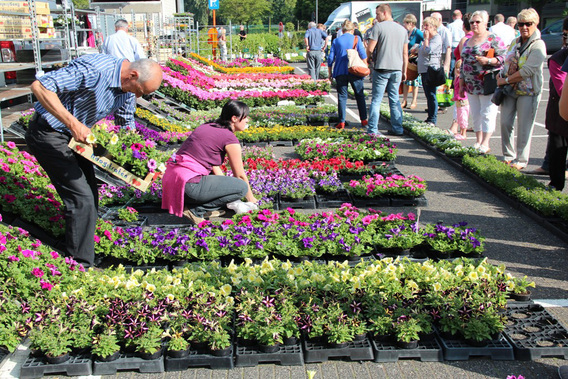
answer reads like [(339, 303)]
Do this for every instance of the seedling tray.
[(321, 352), (535, 333), (332, 201), (458, 350), (259, 144), (308, 203), (129, 362), (419, 201), (287, 355), (371, 202), (281, 143), (37, 367), (427, 351), (200, 358)]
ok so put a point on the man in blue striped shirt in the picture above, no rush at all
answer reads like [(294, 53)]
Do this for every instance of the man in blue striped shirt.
[(71, 101)]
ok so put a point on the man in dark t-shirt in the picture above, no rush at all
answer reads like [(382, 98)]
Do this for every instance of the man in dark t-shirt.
[(242, 33)]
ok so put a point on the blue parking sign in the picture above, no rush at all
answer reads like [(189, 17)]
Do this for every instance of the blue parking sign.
[(213, 4)]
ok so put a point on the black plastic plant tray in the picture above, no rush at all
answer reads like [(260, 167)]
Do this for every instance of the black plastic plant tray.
[(419, 201), (321, 352), (287, 355), (375, 202), (105, 177), (3, 354), (77, 365), (259, 144), (332, 201), (148, 208), (17, 129), (537, 335), (199, 358), (38, 232), (128, 362), (427, 351), (281, 143), (308, 203), (458, 350)]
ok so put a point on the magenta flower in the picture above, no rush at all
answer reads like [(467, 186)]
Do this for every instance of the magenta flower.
[(37, 272), (45, 285), (13, 258)]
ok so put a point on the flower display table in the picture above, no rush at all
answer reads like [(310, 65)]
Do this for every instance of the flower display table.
[(77, 365), (287, 355)]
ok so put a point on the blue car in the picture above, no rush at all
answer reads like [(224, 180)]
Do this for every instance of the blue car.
[(552, 37)]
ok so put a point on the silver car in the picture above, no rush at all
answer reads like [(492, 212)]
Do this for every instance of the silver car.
[(552, 36)]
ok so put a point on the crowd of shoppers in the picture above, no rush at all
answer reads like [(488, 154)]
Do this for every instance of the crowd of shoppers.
[(489, 58)]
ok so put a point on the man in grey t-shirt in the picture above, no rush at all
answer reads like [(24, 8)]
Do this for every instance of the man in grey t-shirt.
[(388, 45)]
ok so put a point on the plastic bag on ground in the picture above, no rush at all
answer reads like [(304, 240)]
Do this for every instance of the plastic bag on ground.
[(241, 207)]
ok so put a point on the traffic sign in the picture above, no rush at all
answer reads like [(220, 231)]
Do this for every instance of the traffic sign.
[(213, 4)]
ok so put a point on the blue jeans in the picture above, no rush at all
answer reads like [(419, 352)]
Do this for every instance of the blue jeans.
[(357, 85), (430, 92), (213, 192), (389, 81)]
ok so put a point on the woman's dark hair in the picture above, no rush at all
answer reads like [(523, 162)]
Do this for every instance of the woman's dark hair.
[(230, 109), (466, 24), (565, 24)]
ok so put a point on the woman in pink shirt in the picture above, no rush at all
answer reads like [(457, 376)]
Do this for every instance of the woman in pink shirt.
[(189, 189)]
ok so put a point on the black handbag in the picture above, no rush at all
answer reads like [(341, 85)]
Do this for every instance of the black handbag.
[(490, 82), (436, 76), (498, 96)]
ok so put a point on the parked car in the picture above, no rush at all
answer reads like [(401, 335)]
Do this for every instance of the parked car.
[(552, 36)]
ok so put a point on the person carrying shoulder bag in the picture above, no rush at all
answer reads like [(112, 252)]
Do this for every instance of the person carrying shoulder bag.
[(522, 78)]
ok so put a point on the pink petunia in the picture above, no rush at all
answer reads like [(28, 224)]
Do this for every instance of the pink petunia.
[(13, 258), (45, 285), (37, 272)]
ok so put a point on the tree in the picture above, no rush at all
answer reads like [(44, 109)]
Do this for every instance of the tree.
[(244, 11), (200, 8), (305, 8), (81, 4), (283, 11)]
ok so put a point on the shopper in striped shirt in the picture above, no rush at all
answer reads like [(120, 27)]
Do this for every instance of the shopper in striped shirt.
[(70, 101)]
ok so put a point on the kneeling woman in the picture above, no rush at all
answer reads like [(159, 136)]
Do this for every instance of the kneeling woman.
[(188, 187)]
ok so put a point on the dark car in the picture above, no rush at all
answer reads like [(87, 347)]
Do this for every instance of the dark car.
[(552, 37)]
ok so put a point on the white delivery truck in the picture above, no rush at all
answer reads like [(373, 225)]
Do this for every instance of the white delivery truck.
[(363, 12)]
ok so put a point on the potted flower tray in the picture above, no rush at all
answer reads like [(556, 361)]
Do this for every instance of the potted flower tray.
[(498, 349), (321, 351), (130, 362), (427, 351), (106, 164), (534, 332), (200, 358), (77, 365), (286, 355)]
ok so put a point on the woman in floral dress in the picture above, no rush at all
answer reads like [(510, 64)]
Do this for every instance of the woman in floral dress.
[(483, 53)]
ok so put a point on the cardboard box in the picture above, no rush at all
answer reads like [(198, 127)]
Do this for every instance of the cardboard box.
[(23, 7), (13, 29), (86, 151), (43, 21), (16, 36)]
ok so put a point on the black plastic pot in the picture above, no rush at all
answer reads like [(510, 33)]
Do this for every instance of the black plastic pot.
[(290, 341), (269, 348), (151, 356), (221, 352), (57, 360), (108, 358), (178, 353), (407, 345)]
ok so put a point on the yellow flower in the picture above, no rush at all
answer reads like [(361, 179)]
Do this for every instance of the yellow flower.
[(150, 287), (473, 276), (170, 296), (91, 139), (437, 287), (299, 270), (311, 374), (225, 290), (510, 285), (113, 139), (162, 167), (286, 265), (248, 262), (411, 284)]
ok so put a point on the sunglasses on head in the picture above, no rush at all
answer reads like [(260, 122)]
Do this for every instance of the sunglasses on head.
[(565, 35), (475, 22), (529, 24)]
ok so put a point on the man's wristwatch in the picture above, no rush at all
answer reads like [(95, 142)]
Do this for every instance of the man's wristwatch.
[(507, 80)]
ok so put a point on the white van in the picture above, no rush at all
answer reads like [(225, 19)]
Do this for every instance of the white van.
[(363, 12)]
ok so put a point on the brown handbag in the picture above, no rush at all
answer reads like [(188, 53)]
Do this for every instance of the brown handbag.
[(356, 66)]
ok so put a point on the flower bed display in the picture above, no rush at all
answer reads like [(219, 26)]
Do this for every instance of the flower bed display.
[(287, 133), (243, 70), (352, 146), (259, 117), (348, 233), (27, 192), (393, 185), (176, 86), (257, 62), (176, 129)]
